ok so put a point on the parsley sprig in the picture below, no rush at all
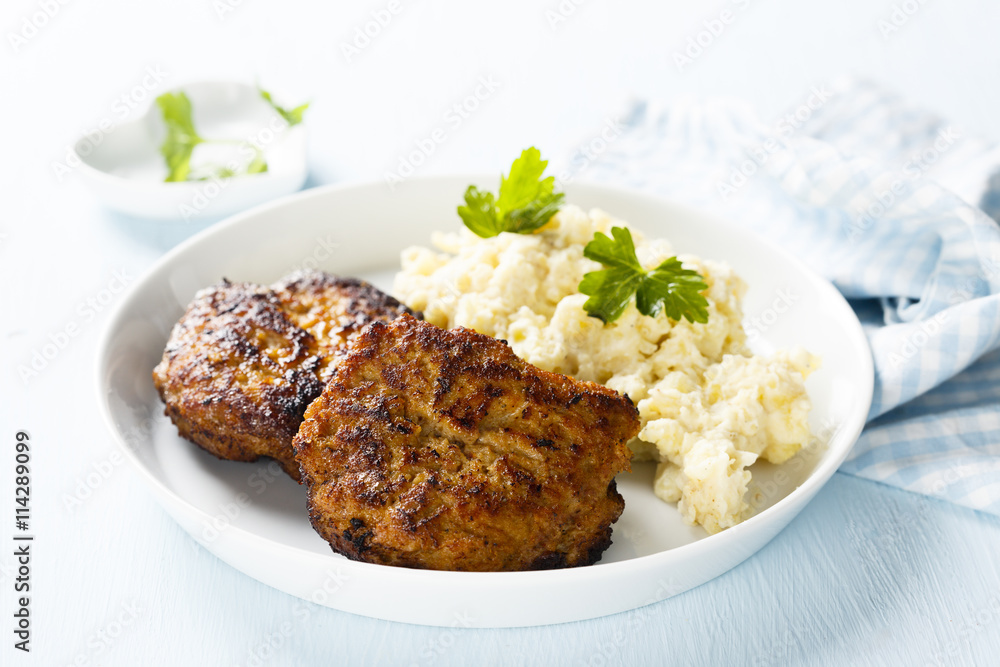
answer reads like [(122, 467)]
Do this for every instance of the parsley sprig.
[(291, 116), (182, 138), (668, 288), (526, 201)]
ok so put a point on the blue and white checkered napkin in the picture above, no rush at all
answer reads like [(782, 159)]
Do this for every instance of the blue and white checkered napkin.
[(887, 203)]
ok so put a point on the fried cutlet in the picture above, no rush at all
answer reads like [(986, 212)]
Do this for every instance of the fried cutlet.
[(441, 449), (333, 309), (245, 361)]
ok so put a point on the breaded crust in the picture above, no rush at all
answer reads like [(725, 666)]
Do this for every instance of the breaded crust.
[(239, 369), (443, 450)]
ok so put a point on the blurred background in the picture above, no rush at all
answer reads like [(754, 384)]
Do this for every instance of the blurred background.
[(561, 65)]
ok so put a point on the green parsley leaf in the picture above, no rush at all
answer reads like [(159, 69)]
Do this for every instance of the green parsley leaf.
[(291, 116), (480, 213), (181, 136), (668, 288), (526, 201), (257, 165)]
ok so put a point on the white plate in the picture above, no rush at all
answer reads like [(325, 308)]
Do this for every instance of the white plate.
[(254, 517)]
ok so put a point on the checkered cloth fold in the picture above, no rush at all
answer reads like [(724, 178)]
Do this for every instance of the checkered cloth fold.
[(890, 204)]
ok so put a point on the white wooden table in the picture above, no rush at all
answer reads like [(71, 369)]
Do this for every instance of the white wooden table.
[(867, 575)]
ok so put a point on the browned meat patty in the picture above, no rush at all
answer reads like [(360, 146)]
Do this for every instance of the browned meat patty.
[(334, 310), (443, 450), (245, 361)]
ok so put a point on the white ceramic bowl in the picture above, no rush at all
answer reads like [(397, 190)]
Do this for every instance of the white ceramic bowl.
[(254, 517), (126, 170)]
